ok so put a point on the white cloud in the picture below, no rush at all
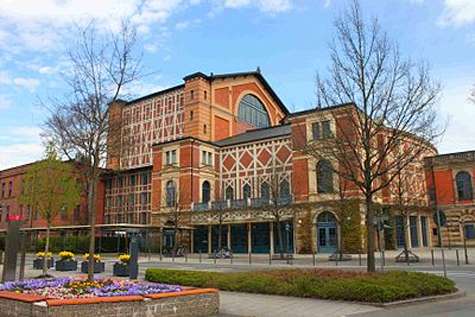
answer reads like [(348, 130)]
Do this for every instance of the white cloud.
[(268, 6), (28, 83), (460, 111), (21, 153), (458, 12), (20, 145), (38, 25)]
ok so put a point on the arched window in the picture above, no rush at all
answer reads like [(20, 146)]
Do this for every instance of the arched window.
[(246, 191), (326, 217), (171, 194), (324, 177), (265, 191), (205, 192), (252, 111), (284, 190), (229, 193), (464, 186)]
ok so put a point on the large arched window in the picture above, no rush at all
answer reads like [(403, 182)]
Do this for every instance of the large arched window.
[(464, 185), (205, 192), (324, 177), (252, 111), (246, 191), (265, 190), (229, 193), (171, 194), (284, 190)]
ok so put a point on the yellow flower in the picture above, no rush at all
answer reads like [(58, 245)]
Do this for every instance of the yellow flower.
[(125, 258), (66, 255), (42, 254), (97, 257)]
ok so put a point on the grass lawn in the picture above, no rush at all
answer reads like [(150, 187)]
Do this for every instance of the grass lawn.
[(315, 283)]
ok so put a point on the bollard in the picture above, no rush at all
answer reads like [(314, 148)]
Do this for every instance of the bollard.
[(270, 258), (231, 258), (432, 256), (215, 258), (186, 257), (314, 259), (250, 260), (443, 263), (359, 259), (336, 259), (466, 256), (200, 256), (457, 256)]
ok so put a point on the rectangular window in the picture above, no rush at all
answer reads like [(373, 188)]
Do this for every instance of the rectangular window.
[(10, 188), (170, 157), (3, 190), (206, 158), (316, 131), (132, 180), (326, 129)]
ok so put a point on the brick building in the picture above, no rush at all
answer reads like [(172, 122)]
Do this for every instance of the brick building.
[(450, 178), (11, 182), (207, 155)]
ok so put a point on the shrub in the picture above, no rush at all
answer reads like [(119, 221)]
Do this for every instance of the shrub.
[(315, 283)]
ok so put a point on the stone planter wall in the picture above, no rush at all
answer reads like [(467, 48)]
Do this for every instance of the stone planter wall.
[(38, 263), (120, 269), (66, 265), (99, 267), (188, 303)]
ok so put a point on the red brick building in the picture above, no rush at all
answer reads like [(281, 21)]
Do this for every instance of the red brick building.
[(11, 182), (213, 146), (450, 179)]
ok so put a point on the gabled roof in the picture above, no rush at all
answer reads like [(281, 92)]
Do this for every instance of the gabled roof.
[(256, 73), (256, 135)]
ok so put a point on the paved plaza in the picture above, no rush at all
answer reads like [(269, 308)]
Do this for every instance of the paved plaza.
[(243, 304)]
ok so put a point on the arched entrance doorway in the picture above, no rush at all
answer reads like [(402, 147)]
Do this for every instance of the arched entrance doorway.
[(326, 233)]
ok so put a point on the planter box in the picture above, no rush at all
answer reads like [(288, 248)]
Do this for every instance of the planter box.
[(66, 265), (99, 267), (121, 269), (38, 263)]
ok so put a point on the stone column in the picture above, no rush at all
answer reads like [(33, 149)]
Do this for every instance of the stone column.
[(210, 236), (419, 231), (249, 237), (229, 237), (271, 233)]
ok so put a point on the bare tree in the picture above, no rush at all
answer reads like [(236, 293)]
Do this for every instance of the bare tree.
[(407, 195), (392, 103), (277, 203), (102, 65), (175, 215)]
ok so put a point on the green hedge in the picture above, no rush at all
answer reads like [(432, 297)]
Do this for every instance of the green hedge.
[(314, 283)]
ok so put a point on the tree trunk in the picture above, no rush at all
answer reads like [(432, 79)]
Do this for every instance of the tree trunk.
[(406, 250), (371, 264), (45, 259), (91, 195)]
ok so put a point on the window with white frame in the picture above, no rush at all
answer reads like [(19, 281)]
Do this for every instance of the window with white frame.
[(170, 157), (206, 158), (322, 130)]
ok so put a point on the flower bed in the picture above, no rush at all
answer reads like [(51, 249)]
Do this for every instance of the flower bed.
[(65, 297), (63, 288)]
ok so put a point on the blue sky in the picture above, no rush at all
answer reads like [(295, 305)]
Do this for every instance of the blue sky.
[(286, 38)]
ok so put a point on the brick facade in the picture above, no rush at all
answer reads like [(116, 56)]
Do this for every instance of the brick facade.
[(446, 194)]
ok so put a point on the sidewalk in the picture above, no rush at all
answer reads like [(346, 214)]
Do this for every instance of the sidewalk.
[(244, 304)]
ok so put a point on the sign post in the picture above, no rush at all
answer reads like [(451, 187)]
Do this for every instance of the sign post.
[(11, 248), (441, 220)]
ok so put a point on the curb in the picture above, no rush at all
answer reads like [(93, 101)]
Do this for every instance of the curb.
[(420, 300)]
